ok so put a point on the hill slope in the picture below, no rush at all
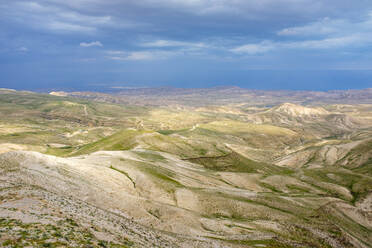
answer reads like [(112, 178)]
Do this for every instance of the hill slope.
[(230, 172), (143, 192)]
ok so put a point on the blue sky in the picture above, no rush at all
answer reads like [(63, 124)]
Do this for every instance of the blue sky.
[(262, 44)]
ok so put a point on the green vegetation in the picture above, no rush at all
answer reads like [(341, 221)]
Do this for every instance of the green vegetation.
[(235, 162), (123, 140), (150, 156), (124, 173), (246, 128), (168, 132), (163, 176)]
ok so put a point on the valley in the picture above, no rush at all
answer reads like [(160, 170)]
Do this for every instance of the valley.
[(224, 167)]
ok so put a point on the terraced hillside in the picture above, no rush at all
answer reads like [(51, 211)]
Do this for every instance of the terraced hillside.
[(80, 173)]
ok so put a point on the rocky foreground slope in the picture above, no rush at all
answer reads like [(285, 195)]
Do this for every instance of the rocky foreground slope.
[(142, 198)]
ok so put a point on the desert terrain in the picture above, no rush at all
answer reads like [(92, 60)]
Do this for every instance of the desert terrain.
[(220, 167)]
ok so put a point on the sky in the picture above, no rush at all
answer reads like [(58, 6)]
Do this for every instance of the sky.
[(257, 44)]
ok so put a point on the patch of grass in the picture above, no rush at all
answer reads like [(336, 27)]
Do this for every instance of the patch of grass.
[(234, 162), (235, 127), (124, 173), (365, 169), (152, 156), (163, 176), (298, 188), (270, 187), (123, 140), (336, 220), (60, 152), (169, 132), (357, 184)]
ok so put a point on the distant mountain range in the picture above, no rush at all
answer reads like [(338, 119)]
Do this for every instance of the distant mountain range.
[(223, 95)]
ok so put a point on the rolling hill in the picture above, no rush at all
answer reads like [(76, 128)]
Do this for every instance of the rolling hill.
[(77, 172)]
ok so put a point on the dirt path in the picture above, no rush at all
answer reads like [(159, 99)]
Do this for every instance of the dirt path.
[(85, 110)]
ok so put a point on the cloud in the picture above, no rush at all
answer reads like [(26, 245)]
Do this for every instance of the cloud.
[(252, 49), (22, 49), (53, 18), (90, 44), (324, 34), (251, 8), (330, 27), (256, 9), (327, 43), (58, 26), (322, 27), (196, 29), (139, 55), (173, 43)]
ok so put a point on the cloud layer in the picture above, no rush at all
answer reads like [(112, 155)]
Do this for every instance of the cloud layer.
[(202, 35), (325, 34)]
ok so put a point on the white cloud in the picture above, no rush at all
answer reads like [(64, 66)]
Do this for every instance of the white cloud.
[(322, 27), (139, 55), (327, 43), (329, 27), (114, 52), (90, 44), (173, 43), (252, 49), (58, 26)]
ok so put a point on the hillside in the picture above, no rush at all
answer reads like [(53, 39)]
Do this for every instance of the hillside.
[(76, 172), (240, 205)]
